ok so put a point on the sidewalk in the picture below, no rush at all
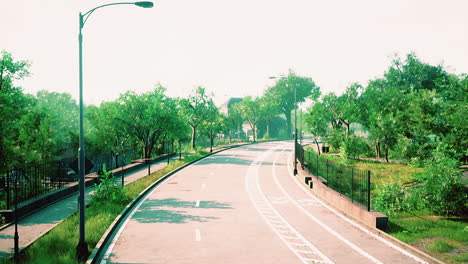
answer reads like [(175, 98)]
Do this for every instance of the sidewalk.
[(40, 222)]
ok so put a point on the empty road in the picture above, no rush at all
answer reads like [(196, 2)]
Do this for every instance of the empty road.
[(244, 205)]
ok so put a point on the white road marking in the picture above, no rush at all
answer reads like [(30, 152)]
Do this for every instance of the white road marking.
[(130, 215), (203, 186), (197, 203), (270, 215), (197, 235), (323, 225), (349, 220)]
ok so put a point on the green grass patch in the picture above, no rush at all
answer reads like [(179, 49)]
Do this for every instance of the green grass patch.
[(443, 238), (384, 172), (59, 244), (441, 246)]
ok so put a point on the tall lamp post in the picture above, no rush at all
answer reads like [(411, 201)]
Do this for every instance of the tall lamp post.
[(82, 248), (295, 131)]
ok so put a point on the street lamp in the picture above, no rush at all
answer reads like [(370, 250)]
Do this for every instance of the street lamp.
[(295, 131), (82, 248), (123, 162), (16, 174), (295, 126)]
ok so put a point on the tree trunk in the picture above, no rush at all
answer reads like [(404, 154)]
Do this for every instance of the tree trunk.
[(386, 154), (318, 146), (116, 159), (346, 125), (268, 129), (194, 135), (377, 149), (288, 123), (253, 132)]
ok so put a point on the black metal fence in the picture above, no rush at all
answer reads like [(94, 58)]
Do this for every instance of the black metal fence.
[(32, 181), (27, 182), (354, 184)]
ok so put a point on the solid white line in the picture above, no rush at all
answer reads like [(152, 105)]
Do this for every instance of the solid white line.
[(197, 235), (350, 221), (197, 203), (323, 225)]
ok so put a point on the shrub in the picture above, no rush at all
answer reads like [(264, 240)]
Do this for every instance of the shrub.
[(441, 185), (389, 198), (108, 190)]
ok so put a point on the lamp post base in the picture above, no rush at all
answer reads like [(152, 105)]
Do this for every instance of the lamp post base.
[(82, 252)]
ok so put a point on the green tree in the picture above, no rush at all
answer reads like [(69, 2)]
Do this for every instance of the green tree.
[(213, 124), (284, 90), (233, 119), (409, 105), (105, 131), (251, 110), (49, 127), (317, 121), (195, 109), (383, 105), (13, 104), (146, 118), (345, 109), (270, 110)]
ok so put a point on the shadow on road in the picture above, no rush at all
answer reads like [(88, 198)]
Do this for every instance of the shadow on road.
[(228, 159), (151, 211)]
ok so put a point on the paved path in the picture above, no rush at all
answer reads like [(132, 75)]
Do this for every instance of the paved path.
[(37, 224), (244, 206)]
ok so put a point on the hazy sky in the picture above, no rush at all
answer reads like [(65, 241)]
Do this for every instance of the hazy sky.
[(229, 47)]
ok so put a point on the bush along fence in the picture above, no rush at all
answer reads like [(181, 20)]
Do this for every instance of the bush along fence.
[(27, 181), (354, 184)]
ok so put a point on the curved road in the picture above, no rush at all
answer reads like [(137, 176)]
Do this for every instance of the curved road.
[(244, 206)]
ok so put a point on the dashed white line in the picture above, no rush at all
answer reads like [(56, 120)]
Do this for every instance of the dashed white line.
[(197, 235)]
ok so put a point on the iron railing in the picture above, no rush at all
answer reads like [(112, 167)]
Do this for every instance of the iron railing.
[(353, 183), (32, 181)]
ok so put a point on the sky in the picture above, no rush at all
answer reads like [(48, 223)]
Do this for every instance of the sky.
[(229, 47)]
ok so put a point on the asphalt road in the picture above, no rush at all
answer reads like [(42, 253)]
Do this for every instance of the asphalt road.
[(244, 206)]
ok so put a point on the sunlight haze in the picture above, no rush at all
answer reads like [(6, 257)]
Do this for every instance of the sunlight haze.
[(229, 47)]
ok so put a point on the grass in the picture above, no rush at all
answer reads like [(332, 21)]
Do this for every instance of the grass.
[(384, 172), (443, 238), (59, 244), (381, 172)]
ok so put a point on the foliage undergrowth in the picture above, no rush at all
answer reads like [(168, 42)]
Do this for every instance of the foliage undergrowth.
[(59, 244)]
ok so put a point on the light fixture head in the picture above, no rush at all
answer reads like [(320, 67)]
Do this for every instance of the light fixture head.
[(144, 4)]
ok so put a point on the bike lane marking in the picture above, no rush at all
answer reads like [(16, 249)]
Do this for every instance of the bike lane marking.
[(300, 246), (386, 242), (315, 219)]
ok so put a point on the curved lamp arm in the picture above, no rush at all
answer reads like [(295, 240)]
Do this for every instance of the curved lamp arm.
[(84, 18)]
